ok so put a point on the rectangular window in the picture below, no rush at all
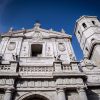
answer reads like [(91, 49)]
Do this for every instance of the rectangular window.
[(36, 50)]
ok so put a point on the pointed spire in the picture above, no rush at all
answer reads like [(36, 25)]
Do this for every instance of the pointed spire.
[(63, 31)]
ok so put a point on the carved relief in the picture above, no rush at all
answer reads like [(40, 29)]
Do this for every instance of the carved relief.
[(93, 79), (6, 81), (11, 46), (2, 81), (37, 36), (36, 84), (9, 81), (30, 84), (69, 81), (49, 49), (61, 47)]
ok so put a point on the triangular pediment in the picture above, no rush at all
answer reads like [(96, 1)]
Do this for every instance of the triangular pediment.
[(38, 33), (42, 33)]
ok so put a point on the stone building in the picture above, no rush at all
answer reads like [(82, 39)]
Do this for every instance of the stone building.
[(40, 64)]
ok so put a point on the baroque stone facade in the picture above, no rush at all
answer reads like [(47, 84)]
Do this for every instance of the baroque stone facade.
[(40, 64)]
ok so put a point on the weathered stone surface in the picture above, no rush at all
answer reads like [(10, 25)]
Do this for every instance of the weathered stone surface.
[(40, 64)]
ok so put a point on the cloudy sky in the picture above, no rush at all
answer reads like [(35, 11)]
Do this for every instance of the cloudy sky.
[(56, 14)]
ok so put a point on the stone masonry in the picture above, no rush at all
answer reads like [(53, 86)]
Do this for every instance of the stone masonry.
[(40, 64)]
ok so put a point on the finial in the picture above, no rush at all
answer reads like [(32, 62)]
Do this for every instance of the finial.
[(37, 24), (23, 28), (51, 29), (63, 31), (11, 29)]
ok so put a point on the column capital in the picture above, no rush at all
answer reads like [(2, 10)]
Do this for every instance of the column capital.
[(60, 90), (81, 89), (9, 90), (8, 94)]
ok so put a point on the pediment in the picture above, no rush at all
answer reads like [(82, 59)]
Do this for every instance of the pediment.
[(46, 34), (39, 33)]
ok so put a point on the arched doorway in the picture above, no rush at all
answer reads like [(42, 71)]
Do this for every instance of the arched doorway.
[(35, 97)]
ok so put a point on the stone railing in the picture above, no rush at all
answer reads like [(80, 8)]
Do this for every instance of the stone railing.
[(67, 68), (32, 69), (5, 68)]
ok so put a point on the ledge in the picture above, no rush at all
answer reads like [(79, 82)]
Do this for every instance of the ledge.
[(93, 84), (69, 74), (8, 74)]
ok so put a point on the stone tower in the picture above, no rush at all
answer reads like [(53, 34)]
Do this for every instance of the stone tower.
[(87, 31)]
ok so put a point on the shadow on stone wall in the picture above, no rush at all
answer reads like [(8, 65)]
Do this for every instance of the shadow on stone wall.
[(92, 95)]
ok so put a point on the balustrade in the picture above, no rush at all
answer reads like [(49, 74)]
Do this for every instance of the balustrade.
[(4, 68), (31, 69)]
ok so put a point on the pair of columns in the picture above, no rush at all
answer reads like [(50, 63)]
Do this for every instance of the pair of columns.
[(8, 94), (81, 91)]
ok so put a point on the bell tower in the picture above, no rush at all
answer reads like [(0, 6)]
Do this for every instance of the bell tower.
[(87, 31)]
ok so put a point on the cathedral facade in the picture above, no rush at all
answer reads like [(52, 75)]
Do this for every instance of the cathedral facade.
[(40, 64)]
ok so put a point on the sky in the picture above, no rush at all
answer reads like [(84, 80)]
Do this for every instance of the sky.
[(55, 14)]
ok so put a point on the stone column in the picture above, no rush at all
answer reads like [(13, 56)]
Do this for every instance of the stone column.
[(61, 94), (8, 94), (82, 94)]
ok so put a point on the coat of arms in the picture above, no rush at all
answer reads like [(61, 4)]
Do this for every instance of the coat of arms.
[(11, 46), (61, 47)]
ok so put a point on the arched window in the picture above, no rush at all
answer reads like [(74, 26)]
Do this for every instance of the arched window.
[(84, 25)]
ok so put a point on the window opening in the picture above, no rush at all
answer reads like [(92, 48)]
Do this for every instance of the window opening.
[(36, 50)]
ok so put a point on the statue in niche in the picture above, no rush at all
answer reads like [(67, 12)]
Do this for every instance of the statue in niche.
[(61, 47), (11, 46), (49, 51)]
